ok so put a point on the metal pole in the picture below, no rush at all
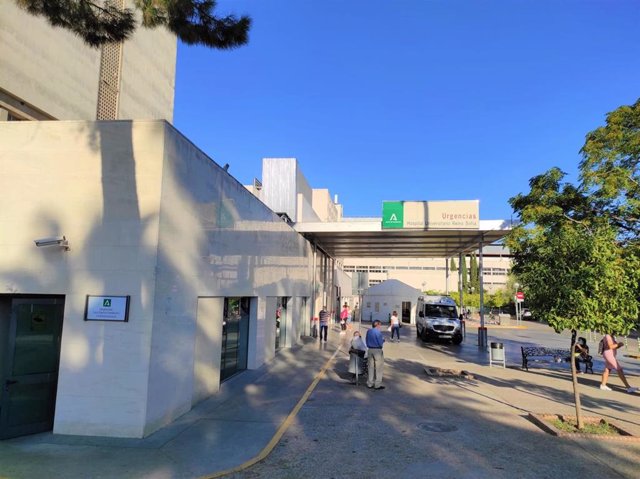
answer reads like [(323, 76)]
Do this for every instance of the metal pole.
[(314, 293), (446, 275), (516, 302), (460, 292), (482, 337)]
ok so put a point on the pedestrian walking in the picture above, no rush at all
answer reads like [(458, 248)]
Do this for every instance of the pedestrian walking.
[(374, 342), (344, 315), (324, 323), (608, 348), (395, 326)]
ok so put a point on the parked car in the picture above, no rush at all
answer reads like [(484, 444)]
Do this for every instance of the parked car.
[(526, 315), (438, 319)]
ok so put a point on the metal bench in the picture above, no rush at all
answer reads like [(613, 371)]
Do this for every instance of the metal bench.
[(550, 355)]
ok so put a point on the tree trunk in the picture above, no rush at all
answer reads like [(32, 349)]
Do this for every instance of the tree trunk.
[(576, 392)]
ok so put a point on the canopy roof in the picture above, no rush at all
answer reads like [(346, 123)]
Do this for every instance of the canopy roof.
[(364, 238)]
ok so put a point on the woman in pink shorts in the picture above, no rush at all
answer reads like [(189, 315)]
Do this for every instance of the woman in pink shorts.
[(610, 347)]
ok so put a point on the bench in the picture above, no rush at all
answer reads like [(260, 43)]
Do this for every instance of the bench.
[(550, 355)]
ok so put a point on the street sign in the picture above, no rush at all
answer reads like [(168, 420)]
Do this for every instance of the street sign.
[(520, 296)]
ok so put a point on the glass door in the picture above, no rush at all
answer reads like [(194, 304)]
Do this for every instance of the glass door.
[(406, 312), (281, 321), (235, 337), (30, 371)]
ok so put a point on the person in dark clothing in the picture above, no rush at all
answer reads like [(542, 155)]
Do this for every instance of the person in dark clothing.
[(324, 323), (375, 341)]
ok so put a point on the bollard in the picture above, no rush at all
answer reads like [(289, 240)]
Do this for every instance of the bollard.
[(482, 337)]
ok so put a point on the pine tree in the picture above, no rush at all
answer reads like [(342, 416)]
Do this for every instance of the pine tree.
[(452, 265), (463, 273), (98, 22), (474, 277)]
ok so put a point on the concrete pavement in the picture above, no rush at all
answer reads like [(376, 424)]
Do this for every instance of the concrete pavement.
[(418, 427)]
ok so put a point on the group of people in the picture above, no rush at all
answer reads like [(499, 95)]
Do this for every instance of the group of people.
[(608, 349), (369, 350)]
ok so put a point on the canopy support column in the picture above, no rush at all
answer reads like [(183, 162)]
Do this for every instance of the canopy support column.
[(482, 330)]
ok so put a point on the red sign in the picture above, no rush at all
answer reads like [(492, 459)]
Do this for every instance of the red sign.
[(520, 295)]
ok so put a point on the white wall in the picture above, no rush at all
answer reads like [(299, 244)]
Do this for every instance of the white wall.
[(148, 215), (387, 304), (215, 239), (54, 71), (207, 357), (80, 179)]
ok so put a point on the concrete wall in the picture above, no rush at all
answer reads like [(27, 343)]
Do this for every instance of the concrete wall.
[(52, 70), (215, 240), (206, 361), (324, 206), (279, 185), (98, 184), (148, 215)]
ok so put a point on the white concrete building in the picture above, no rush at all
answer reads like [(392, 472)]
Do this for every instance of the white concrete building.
[(160, 275), (136, 274), (215, 281), (48, 73), (284, 189), (433, 273)]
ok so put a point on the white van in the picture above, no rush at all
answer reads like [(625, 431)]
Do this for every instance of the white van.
[(438, 319)]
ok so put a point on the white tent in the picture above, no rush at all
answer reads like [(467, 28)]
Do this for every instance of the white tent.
[(379, 301)]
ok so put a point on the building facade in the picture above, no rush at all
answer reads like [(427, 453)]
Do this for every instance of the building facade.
[(215, 281), (433, 274), (48, 73)]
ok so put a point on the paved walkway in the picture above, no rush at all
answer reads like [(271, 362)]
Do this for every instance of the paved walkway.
[(417, 427)]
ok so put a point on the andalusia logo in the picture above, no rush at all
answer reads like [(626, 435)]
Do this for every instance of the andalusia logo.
[(392, 214)]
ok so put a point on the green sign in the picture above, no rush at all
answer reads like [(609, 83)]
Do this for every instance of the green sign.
[(392, 214)]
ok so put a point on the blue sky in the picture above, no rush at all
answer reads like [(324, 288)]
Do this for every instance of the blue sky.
[(411, 99)]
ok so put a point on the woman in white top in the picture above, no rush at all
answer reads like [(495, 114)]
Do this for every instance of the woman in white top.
[(395, 325)]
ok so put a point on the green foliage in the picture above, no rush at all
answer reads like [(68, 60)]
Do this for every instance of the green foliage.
[(609, 170), (501, 298), (464, 274), (97, 23), (470, 300), (452, 265), (474, 273), (433, 292), (94, 22), (576, 251)]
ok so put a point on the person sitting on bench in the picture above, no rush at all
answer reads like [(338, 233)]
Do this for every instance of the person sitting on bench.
[(581, 354)]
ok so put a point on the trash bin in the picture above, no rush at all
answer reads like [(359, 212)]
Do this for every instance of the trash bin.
[(496, 354)]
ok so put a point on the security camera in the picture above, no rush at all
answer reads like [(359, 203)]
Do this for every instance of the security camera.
[(53, 241)]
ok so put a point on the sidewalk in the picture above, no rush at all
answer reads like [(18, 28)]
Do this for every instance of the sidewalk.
[(218, 434), (490, 433)]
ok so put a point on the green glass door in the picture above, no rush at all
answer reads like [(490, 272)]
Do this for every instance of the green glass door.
[(30, 366), (235, 337)]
